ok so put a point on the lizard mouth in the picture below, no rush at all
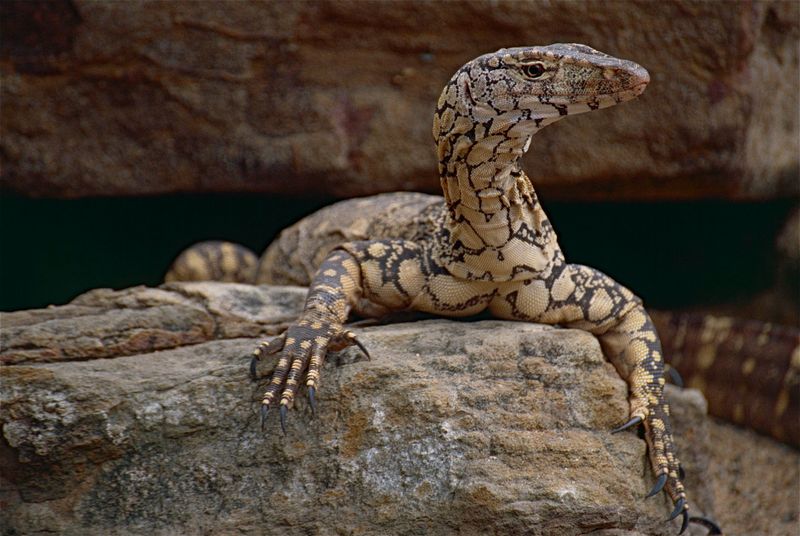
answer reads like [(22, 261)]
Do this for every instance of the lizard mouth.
[(639, 88), (640, 80)]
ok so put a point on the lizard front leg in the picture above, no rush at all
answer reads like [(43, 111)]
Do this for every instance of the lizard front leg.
[(584, 298), (335, 288), (370, 277)]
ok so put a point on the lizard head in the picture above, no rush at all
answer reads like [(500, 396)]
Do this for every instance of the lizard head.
[(526, 88)]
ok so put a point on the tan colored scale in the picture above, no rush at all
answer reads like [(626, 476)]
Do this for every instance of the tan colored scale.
[(487, 244)]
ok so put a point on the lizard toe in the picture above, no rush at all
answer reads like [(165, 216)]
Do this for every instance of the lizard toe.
[(339, 341), (665, 464), (269, 347), (264, 413), (347, 338)]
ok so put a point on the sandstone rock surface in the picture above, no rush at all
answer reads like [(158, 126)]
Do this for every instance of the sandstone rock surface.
[(755, 482), (484, 427), (121, 98)]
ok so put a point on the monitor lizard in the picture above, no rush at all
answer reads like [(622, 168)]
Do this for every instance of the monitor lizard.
[(487, 245)]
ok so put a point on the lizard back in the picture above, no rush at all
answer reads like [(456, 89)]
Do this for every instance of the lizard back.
[(293, 258)]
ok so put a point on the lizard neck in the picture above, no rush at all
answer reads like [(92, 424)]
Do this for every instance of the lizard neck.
[(496, 227), (479, 170)]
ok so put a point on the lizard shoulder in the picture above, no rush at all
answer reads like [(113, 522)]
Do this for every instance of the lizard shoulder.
[(295, 255)]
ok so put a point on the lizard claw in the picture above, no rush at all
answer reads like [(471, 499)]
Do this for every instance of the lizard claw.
[(678, 509), (362, 348), (348, 338), (674, 375), (662, 480), (312, 399), (685, 522), (713, 528), (253, 363), (284, 412), (631, 423)]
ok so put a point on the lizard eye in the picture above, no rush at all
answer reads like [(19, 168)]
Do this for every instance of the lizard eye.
[(534, 70)]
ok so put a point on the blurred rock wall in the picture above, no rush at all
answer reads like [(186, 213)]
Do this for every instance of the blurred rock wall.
[(336, 98)]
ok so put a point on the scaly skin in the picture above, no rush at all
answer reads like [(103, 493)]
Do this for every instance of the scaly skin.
[(487, 245)]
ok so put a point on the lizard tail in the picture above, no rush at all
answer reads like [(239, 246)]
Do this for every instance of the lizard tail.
[(749, 371), (214, 261)]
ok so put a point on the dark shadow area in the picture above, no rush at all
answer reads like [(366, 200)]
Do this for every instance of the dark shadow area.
[(677, 254), (52, 250), (674, 255)]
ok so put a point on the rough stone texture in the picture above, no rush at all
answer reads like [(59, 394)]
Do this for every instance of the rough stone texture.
[(105, 323), (111, 98), (487, 427), (755, 482)]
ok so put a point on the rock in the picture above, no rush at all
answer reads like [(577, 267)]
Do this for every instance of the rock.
[(104, 98), (754, 480), (105, 323), (484, 427)]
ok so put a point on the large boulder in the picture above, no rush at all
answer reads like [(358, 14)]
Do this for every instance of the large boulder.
[(120, 98), (485, 427)]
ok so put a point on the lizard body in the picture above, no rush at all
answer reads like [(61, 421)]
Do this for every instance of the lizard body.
[(749, 371), (486, 245)]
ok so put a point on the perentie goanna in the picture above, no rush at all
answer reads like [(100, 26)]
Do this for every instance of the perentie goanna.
[(487, 245)]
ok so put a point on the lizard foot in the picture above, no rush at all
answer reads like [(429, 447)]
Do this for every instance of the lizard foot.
[(303, 349), (669, 474)]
